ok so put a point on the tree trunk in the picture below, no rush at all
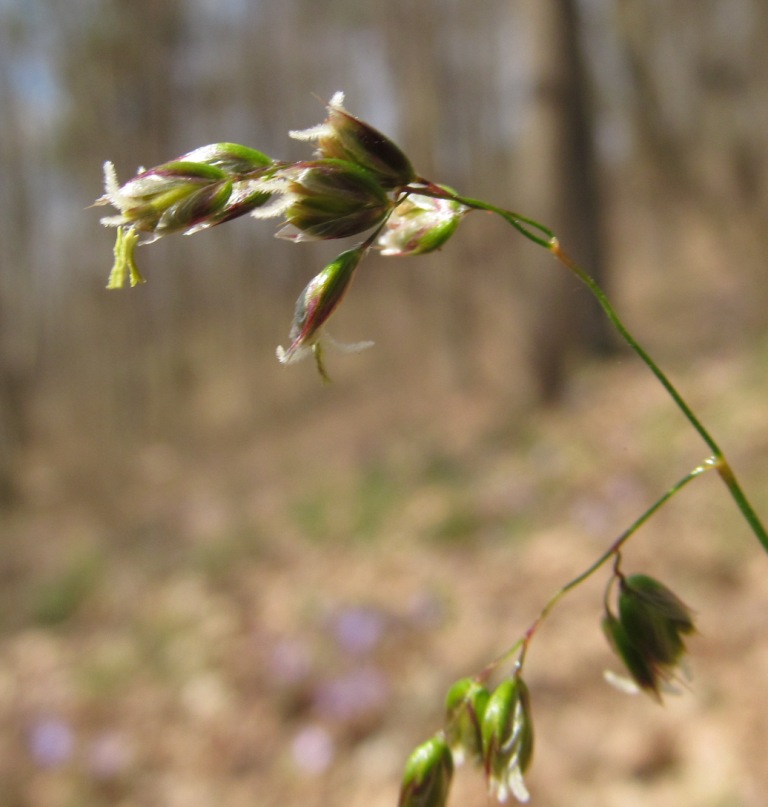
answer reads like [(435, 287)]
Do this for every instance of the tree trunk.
[(565, 188)]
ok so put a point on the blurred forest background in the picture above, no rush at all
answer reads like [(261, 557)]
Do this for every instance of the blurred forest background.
[(223, 582)]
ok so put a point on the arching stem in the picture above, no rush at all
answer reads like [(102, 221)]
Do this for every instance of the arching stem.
[(520, 648), (544, 237)]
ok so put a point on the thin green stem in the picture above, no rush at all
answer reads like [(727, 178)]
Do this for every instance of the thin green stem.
[(610, 312), (532, 230), (612, 551), (544, 237), (721, 463)]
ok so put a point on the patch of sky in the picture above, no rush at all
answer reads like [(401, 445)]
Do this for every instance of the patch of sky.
[(27, 56), (227, 12)]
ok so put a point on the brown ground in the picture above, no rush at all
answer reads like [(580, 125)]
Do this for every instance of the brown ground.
[(272, 616)]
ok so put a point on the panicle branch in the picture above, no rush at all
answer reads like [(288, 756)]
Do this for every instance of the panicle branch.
[(360, 184)]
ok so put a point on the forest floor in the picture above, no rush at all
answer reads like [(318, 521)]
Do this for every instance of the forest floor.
[(278, 624), (273, 616)]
